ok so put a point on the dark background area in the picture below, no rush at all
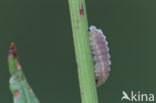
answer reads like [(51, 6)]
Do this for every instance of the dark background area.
[(42, 33)]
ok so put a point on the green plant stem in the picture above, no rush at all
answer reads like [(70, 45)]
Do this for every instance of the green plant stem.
[(83, 52)]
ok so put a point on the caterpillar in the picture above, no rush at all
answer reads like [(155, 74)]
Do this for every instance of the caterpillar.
[(100, 54)]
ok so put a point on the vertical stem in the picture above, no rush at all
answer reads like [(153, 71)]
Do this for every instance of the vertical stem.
[(83, 53)]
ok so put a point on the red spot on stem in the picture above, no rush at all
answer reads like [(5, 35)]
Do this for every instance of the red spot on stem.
[(12, 51), (16, 93), (81, 10), (12, 45)]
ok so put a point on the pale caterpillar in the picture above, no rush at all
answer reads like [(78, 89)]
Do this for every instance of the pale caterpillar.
[(100, 53)]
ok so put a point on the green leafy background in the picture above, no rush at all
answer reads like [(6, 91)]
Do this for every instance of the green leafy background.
[(42, 33)]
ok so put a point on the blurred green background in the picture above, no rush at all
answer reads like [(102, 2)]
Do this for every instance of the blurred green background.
[(42, 32)]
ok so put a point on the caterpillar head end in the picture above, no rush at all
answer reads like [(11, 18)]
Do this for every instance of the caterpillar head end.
[(92, 30)]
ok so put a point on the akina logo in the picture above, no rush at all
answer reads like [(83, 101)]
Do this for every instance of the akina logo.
[(137, 96)]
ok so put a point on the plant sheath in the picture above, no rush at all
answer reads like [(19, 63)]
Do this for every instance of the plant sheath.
[(21, 90)]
